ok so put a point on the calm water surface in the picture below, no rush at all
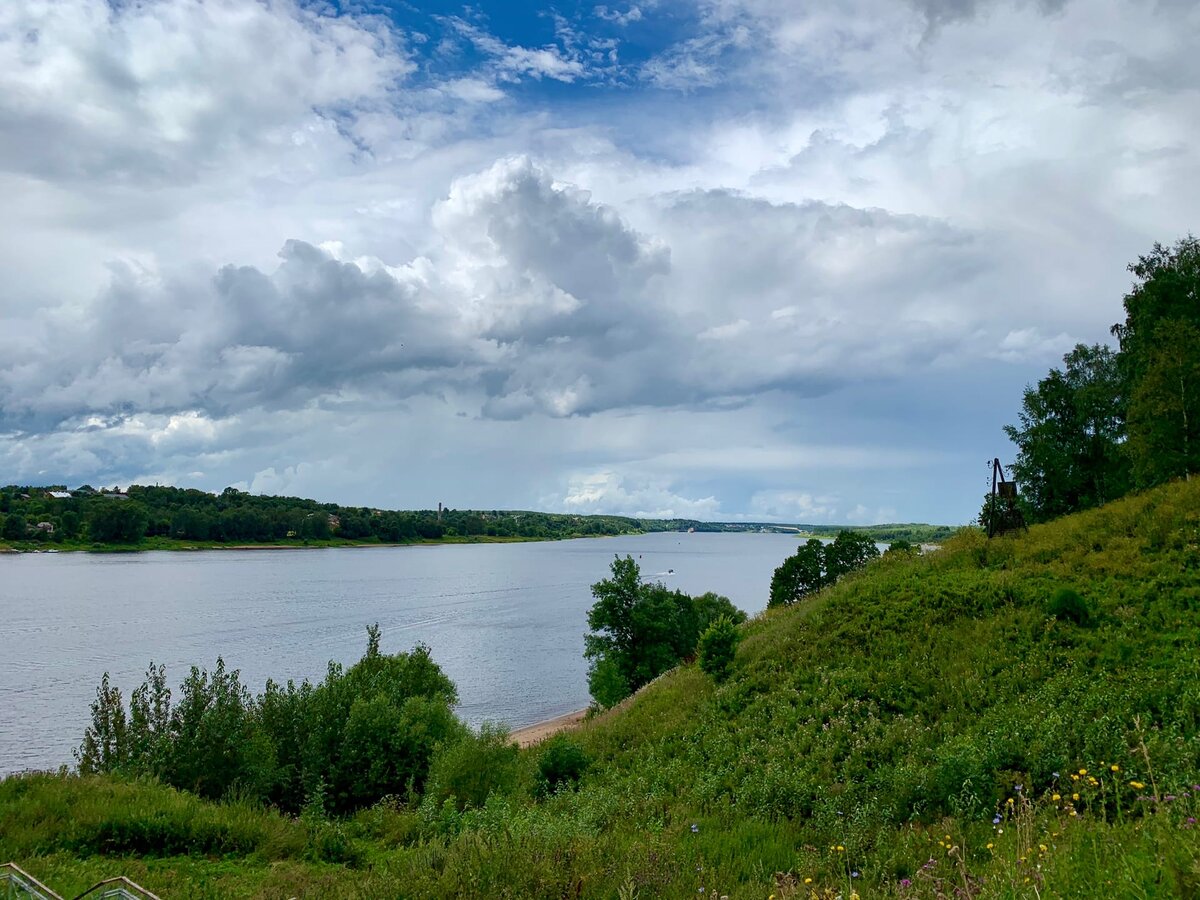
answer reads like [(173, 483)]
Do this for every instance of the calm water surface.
[(505, 621)]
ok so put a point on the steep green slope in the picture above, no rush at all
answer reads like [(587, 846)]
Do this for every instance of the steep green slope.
[(997, 718)]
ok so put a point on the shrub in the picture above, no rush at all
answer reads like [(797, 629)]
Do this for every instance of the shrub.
[(562, 763), (470, 769), (717, 647), (1067, 605)]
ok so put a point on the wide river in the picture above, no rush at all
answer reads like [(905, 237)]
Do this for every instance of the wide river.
[(505, 621)]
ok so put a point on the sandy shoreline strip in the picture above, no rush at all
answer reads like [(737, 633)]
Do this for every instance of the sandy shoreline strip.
[(539, 731)]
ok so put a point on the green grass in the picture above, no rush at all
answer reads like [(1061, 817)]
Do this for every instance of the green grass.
[(877, 729)]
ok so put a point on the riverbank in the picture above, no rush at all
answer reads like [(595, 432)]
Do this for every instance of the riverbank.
[(539, 731)]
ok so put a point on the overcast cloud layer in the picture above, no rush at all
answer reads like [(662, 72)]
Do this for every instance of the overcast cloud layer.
[(729, 260)]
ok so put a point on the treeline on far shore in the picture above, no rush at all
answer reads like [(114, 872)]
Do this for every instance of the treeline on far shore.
[(53, 516)]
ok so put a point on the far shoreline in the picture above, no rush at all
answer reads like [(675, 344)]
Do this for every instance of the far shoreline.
[(174, 546)]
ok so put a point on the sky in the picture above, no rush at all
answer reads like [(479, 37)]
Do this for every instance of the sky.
[(764, 260)]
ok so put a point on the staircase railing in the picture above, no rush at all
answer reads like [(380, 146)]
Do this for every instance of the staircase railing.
[(17, 884)]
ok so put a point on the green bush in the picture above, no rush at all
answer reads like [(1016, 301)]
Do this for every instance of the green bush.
[(1066, 605), (562, 763), (717, 647), (468, 770)]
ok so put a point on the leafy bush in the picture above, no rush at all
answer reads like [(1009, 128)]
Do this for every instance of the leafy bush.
[(717, 647), (562, 763), (363, 733), (467, 771), (1066, 605), (641, 630)]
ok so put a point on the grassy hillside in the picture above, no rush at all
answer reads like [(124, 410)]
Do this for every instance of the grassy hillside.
[(1011, 718)]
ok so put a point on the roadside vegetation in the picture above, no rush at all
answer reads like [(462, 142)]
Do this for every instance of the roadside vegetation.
[(990, 719)]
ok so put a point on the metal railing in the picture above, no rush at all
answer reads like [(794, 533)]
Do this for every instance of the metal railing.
[(17, 884)]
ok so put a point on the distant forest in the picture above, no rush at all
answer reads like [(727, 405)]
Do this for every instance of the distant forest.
[(168, 516)]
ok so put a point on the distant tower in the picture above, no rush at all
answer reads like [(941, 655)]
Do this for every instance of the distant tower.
[(439, 510)]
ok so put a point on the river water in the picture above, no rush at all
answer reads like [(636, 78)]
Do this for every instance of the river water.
[(504, 621)]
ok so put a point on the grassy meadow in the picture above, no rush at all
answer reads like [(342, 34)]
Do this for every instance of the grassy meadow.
[(1009, 718)]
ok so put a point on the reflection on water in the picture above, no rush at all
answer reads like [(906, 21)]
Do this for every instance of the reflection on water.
[(505, 621)]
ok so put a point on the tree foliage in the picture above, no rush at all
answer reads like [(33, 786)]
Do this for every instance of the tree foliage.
[(717, 647), (816, 565), (1069, 440), (640, 630), (1113, 420), (363, 733)]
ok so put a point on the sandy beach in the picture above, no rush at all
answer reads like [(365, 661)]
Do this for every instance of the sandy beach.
[(539, 731)]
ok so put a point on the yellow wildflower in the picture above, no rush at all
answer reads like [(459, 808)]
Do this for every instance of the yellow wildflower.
[(1083, 771), (841, 849), (947, 837), (1074, 813), (1136, 785), (1043, 847), (1074, 777), (808, 881), (1009, 801), (1116, 768), (1074, 796), (1056, 797), (990, 846)]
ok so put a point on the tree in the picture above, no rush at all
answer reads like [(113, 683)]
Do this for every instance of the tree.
[(1158, 361), (717, 647), (1070, 438), (117, 521), (1164, 411), (799, 575), (816, 565), (14, 528), (849, 551), (639, 631)]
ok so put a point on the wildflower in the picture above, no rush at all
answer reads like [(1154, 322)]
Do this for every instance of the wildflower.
[(1092, 781), (841, 849), (1009, 801), (990, 846), (1074, 777), (1043, 848), (1083, 771), (1136, 785), (1053, 774), (808, 881), (996, 820), (1191, 820), (1019, 788), (1116, 768), (904, 882), (1074, 796), (695, 829), (1055, 797), (854, 874), (947, 837), (1169, 797), (1073, 813), (1196, 787)]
